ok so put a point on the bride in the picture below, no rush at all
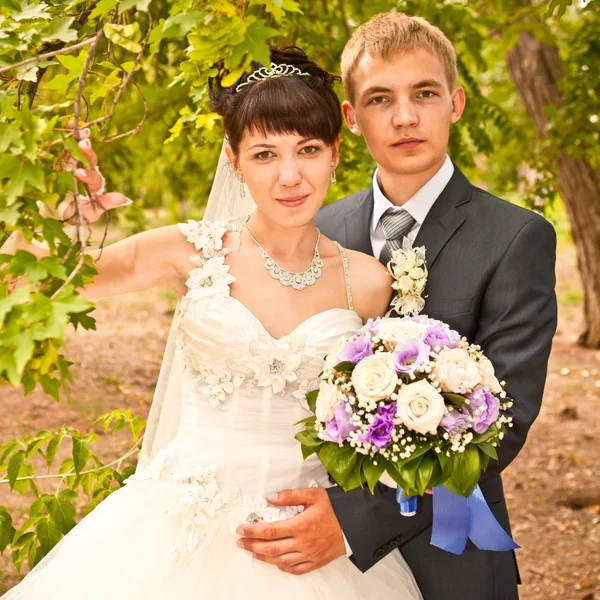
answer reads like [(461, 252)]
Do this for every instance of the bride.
[(262, 299)]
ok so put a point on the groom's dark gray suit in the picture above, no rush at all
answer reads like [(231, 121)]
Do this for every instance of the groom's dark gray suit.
[(491, 277)]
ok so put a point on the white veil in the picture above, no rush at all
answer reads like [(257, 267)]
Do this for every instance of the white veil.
[(224, 202)]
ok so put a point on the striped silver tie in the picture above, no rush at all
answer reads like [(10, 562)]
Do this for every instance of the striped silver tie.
[(395, 224)]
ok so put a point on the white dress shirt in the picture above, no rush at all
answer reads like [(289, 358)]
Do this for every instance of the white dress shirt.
[(418, 206)]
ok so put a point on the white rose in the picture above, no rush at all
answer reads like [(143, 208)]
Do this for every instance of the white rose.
[(421, 407), (375, 378), (327, 401), (401, 265), (405, 284), (488, 376), (331, 360), (396, 331), (417, 273), (456, 371)]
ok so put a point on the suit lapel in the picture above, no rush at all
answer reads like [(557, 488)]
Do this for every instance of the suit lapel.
[(358, 224), (443, 220)]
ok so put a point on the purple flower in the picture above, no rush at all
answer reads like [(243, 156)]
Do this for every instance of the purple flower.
[(338, 428), (355, 351), (455, 422), (485, 409), (409, 355), (380, 431), (442, 338), (371, 326), (388, 410)]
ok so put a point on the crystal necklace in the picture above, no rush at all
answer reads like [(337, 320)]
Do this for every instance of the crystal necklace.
[(298, 281)]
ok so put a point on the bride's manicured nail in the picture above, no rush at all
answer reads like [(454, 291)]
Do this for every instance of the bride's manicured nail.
[(240, 544), (80, 172), (272, 497), (128, 201), (240, 531)]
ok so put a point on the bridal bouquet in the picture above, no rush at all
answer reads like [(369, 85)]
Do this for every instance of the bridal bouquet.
[(406, 401)]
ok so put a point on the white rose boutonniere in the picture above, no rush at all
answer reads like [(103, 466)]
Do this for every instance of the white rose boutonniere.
[(409, 271)]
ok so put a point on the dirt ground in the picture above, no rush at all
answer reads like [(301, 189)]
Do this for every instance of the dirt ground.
[(552, 487)]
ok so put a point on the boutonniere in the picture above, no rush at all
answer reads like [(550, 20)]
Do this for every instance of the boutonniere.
[(407, 267)]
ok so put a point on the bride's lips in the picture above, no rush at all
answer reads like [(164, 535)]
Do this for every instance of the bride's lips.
[(293, 201), (408, 143)]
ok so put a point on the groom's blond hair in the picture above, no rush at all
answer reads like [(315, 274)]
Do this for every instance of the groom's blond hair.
[(387, 34)]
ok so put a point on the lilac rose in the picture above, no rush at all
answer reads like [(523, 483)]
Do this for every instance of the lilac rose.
[(371, 326), (356, 350), (380, 430), (338, 427), (410, 355), (455, 422), (485, 407), (441, 337)]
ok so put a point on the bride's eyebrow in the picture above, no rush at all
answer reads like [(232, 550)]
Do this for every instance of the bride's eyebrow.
[(261, 146)]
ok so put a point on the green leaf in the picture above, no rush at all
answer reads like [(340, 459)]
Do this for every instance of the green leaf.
[(356, 478), (345, 367), (7, 531), (488, 449), (81, 453), (257, 36), (62, 510), (408, 472), (373, 472), (490, 434), (466, 470), (14, 467), (339, 462), (178, 26), (306, 439), (103, 8), (311, 397), (424, 472), (48, 533), (60, 30), (454, 399)]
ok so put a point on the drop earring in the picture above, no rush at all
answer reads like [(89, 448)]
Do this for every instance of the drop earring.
[(333, 175), (242, 188)]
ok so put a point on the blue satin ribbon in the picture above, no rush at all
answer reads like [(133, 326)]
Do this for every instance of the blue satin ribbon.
[(456, 519)]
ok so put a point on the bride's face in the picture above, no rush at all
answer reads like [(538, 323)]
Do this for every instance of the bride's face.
[(287, 174)]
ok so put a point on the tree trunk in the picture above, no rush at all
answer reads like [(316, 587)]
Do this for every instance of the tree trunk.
[(535, 70)]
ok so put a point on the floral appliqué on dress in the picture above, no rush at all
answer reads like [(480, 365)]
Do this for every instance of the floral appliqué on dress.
[(274, 363)]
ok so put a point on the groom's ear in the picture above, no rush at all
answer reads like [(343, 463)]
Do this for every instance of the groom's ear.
[(350, 116), (459, 100)]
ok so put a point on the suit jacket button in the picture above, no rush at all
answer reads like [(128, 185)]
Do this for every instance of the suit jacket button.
[(399, 540), (393, 544), (380, 553)]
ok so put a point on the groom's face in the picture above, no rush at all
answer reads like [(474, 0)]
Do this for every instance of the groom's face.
[(403, 107)]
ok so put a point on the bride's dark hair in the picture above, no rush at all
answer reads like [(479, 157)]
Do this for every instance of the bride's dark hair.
[(304, 105)]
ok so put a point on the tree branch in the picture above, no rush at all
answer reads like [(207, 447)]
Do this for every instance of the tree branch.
[(41, 57)]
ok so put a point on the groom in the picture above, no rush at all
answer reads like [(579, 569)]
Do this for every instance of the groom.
[(491, 277)]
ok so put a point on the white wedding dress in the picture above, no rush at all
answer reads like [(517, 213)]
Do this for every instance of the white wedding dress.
[(169, 532)]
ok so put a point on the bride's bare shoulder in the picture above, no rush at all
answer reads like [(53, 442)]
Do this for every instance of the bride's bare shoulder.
[(371, 284)]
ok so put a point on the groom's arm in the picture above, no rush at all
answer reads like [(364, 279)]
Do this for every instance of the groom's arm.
[(516, 329), (517, 321)]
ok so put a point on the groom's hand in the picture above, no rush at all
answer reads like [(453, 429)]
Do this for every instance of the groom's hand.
[(303, 543)]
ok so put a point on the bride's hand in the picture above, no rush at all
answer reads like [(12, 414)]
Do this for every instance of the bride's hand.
[(94, 181)]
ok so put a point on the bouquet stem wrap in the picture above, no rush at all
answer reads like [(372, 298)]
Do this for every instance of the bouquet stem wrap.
[(456, 519)]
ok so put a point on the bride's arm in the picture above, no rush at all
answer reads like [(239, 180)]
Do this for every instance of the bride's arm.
[(142, 261)]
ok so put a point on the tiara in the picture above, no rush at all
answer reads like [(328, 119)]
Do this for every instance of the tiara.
[(275, 71)]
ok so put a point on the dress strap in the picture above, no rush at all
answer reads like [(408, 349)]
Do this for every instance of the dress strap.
[(346, 275)]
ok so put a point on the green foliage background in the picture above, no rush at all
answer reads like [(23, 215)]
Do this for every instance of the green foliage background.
[(168, 163)]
